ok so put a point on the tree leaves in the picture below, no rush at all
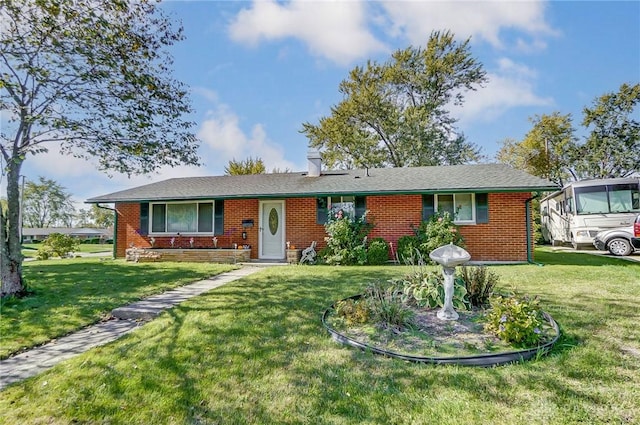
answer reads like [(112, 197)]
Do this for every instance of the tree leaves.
[(248, 166), (95, 77), (612, 148), (397, 113), (47, 204)]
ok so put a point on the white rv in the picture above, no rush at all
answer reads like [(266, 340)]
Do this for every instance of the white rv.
[(581, 209)]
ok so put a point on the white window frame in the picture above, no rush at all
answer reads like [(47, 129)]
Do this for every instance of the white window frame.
[(196, 233), (351, 213), (455, 220)]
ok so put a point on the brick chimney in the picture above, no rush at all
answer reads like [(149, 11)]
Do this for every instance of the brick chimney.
[(315, 163)]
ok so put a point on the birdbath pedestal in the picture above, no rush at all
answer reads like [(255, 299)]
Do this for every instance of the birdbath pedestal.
[(449, 257)]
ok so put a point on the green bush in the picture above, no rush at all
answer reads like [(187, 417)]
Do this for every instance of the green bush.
[(439, 230), (353, 311), (408, 245), (515, 320), (57, 244), (425, 288), (377, 252), (44, 252), (479, 282), (346, 240)]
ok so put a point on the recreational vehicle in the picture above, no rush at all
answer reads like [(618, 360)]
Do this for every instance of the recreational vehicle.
[(581, 209)]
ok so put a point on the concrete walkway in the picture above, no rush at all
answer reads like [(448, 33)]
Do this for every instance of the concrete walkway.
[(124, 320)]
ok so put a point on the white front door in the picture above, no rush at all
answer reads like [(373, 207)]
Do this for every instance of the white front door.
[(271, 230)]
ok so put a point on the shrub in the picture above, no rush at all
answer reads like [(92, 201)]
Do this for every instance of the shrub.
[(431, 234), (353, 311), (437, 231), (427, 290), (386, 306), (377, 252), (346, 240), (57, 244), (44, 252), (406, 250), (479, 282), (515, 320), (424, 286)]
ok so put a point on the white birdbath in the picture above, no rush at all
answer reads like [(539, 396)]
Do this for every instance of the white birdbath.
[(449, 257)]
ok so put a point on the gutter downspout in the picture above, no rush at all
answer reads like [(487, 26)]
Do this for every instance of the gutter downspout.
[(115, 228), (527, 209)]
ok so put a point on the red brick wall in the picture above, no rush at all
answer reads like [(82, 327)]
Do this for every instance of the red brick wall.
[(301, 227), (128, 227), (502, 239), (128, 232), (236, 210), (393, 216)]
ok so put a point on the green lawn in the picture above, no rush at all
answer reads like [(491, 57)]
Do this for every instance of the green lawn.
[(254, 351), (73, 293), (30, 249)]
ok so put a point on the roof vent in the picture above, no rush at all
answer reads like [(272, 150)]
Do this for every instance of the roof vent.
[(315, 163)]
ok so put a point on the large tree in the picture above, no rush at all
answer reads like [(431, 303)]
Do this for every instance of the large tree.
[(547, 150), (95, 217), (46, 204), (398, 113), (612, 148), (93, 79), (244, 167)]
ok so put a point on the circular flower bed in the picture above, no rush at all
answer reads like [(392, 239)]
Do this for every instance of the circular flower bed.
[(431, 340)]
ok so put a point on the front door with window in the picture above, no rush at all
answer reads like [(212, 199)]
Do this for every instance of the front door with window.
[(272, 230)]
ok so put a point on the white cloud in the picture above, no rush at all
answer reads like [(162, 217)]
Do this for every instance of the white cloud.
[(336, 30), (53, 164), (481, 19), (225, 140), (511, 86)]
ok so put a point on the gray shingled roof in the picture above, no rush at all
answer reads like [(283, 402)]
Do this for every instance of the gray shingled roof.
[(454, 178)]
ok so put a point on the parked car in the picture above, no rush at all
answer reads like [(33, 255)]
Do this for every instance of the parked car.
[(619, 241)]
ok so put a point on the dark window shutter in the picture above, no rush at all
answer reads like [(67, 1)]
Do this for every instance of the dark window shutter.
[(144, 218), (428, 207), (205, 217), (322, 214), (482, 207), (218, 220), (360, 206)]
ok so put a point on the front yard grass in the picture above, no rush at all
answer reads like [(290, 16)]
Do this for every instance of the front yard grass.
[(71, 294), (254, 352), (30, 249)]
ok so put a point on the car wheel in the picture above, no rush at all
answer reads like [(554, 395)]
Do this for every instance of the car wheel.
[(619, 247)]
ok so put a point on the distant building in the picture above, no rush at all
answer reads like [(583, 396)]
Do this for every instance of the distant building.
[(30, 234)]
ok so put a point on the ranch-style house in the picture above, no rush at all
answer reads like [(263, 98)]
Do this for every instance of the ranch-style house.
[(264, 214)]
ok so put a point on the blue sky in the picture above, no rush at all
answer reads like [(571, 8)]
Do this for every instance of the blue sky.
[(258, 70)]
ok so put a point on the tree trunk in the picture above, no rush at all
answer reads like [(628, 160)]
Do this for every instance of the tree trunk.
[(10, 244)]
